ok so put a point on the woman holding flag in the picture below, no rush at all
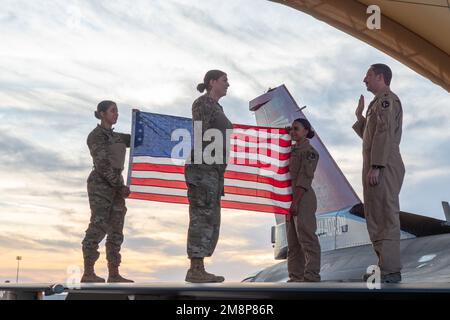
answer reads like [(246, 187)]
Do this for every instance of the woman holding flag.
[(107, 193), (204, 176), (303, 243)]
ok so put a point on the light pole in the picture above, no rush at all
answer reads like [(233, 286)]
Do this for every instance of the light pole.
[(18, 258)]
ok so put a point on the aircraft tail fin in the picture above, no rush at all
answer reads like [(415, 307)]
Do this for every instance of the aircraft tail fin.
[(446, 208), (277, 108)]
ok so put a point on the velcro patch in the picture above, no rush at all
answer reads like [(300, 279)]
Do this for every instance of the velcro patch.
[(385, 104), (311, 156)]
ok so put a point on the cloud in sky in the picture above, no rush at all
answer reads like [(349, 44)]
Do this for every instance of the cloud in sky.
[(59, 59)]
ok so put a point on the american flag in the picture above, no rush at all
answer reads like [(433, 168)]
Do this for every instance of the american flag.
[(257, 176)]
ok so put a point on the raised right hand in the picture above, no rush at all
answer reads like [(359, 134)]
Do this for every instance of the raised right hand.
[(360, 108)]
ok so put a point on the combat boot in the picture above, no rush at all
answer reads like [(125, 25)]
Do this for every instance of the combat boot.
[(295, 279), (89, 275), (115, 277), (197, 273), (395, 277)]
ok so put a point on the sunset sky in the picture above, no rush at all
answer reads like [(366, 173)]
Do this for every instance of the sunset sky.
[(59, 59)]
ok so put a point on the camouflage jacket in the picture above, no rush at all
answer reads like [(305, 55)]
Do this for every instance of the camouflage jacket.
[(210, 113), (99, 142)]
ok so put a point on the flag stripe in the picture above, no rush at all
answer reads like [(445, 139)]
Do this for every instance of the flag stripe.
[(158, 160), (159, 183), (272, 146), (229, 175), (180, 169), (257, 158), (257, 178), (230, 167), (228, 189), (258, 193), (158, 197), (258, 171), (230, 197), (224, 203), (260, 151), (158, 168), (246, 138), (257, 185), (270, 135), (248, 126), (230, 179), (253, 207), (259, 164)]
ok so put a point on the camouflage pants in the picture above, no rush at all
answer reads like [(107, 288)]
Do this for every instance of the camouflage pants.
[(107, 218), (205, 188)]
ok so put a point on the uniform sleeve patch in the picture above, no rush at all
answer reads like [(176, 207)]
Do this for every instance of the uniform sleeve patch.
[(385, 104), (311, 156)]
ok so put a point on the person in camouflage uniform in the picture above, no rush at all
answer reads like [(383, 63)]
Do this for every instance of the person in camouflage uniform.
[(205, 180), (107, 193)]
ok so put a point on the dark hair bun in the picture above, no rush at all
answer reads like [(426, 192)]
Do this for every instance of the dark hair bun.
[(310, 134), (201, 87), (305, 123), (210, 75), (103, 107)]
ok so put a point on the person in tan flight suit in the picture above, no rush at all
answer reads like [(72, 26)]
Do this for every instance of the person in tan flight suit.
[(107, 192), (303, 244), (383, 169)]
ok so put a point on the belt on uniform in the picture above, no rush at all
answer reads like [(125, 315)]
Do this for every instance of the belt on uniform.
[(115, 170)]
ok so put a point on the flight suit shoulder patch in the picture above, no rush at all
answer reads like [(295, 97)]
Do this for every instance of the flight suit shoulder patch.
[(385, 104), (311, 156)]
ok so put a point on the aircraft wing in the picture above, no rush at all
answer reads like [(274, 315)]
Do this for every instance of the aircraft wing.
[(413, 32)]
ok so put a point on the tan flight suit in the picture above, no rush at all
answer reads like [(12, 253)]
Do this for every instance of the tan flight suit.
[(303, 243), (381, 132)]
